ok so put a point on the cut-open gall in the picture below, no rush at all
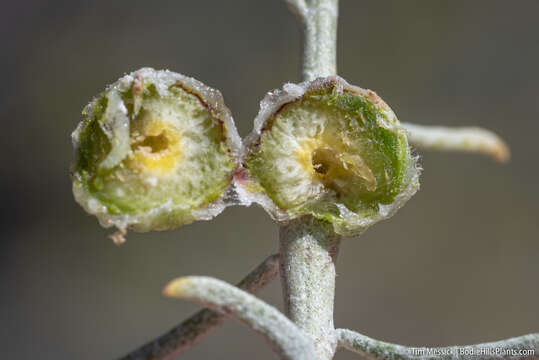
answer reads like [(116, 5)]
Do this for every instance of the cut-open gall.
[(331, 150), (154, 151)]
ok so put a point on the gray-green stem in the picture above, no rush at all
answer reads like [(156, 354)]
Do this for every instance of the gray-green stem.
[(287, 340), (522, 347), (319, 20), (308, 251)]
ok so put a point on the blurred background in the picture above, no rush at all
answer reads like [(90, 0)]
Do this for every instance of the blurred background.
[(458, 264)]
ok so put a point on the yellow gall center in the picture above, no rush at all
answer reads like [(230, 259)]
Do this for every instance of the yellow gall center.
[(328, 161), (155, 145)]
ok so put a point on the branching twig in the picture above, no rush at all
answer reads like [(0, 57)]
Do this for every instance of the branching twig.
[(196, 328), (466, 139), (308, 253), (514, 348), (286, 339)]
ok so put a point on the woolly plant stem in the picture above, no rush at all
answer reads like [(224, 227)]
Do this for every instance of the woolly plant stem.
[(308, 250), (319, 20), (464, 139), (196, 328), (285, 338), (522, 347)]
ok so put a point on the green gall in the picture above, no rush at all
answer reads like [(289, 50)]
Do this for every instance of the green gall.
[(154, 151), (330, 150)]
